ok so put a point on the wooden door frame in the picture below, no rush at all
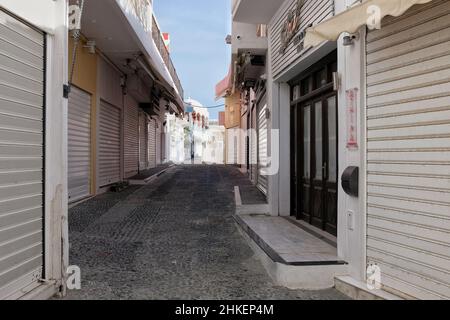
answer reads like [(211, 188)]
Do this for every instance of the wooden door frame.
[(314, 95)]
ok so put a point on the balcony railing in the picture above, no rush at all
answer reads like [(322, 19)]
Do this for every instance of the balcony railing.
[(159, 41)]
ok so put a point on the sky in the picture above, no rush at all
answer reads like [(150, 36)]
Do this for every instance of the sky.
[(202, 58)]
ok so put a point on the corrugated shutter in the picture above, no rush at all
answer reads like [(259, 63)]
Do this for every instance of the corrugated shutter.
[(131, 142), (158, 143), (263, 131), (143, 143), (21, 155), (79, 132), (254, 146), (109, 144), (151, 143), (313, 12), (408, 131)]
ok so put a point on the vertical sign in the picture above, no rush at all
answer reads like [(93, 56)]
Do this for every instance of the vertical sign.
[(352, 118)]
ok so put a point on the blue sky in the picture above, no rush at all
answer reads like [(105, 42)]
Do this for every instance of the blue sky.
[(198, 29)]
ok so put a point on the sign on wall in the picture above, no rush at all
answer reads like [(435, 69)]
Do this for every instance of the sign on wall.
[(352, 118), (291, 26)]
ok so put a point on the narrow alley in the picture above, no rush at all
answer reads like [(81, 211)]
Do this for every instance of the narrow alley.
[(174, 238)]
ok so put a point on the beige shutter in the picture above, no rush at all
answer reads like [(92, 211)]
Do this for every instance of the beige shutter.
[(131, 141), (22, 114), (109, 144), (408, 153), (79, 145)]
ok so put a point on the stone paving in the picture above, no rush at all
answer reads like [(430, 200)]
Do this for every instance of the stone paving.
[(172, 239)]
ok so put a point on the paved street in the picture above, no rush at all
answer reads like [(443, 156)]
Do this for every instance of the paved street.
[(172, 239)]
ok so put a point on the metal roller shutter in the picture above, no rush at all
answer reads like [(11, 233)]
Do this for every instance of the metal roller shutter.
[(79, 145), (109, 144), (263, 131), (151, 143), (158, 144), (143, 137), (22, 114), (131, 145), (408, 131)]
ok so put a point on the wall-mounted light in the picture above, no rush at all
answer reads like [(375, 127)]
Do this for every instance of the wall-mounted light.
[(350, 39)]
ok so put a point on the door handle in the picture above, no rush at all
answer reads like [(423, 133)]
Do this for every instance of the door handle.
[(325, 171)]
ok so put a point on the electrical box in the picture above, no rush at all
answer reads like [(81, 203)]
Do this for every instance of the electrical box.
[(350, 181)]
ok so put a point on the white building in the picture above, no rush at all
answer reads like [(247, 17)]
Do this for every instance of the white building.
[(198, 119), (177, 138), (214, 152)]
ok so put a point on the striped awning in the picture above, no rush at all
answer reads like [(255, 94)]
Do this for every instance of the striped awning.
[(369, 12)]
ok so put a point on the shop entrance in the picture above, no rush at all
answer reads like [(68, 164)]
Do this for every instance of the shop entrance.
[(314, 148)]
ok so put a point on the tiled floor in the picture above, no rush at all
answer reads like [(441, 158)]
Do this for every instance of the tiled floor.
[(291, 243)]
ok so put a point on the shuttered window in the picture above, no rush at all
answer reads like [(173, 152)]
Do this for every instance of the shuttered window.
[(408, 131), (22, 87)]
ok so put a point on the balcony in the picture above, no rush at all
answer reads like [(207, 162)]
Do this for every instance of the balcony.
[(159, 42), (255, 11), (140, 14)]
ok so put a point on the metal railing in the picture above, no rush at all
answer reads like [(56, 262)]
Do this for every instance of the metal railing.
[(159, 41)]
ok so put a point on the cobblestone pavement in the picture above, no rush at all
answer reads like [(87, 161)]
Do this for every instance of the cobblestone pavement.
[(172, 239)]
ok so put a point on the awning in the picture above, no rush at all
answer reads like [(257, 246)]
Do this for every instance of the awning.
[(224, 87), (355, 17)]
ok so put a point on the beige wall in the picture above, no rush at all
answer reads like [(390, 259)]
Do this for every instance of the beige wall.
[(233, 111)]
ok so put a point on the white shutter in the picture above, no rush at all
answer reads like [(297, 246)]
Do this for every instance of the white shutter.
[(21, 156), (79, 145), (143, 145), (151, 143), (109, 144), (263, 131), (408, 133), (131, 141), (254, 146), (158, 143)]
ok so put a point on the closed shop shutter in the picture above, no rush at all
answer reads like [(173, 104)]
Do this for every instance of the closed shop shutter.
[(79, 132), (158, 144), (143, 142), (254, 147), (131, 145), (243, 145), (408, 152), (22, 116), (263, 131), (151, 143), (109, 144)]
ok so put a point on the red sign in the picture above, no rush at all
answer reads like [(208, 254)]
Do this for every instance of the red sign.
[(352, 118)]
